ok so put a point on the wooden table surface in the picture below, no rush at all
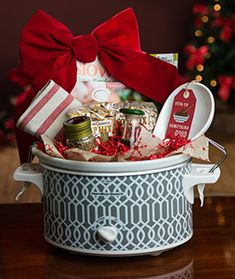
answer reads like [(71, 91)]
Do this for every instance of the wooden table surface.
[(209, 254)]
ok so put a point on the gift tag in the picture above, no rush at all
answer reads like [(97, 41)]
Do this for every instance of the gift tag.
[(182, 113)]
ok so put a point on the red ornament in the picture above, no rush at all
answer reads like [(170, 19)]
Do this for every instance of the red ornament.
[(227, 26), (196, 55), (200, 9), (227, 83)]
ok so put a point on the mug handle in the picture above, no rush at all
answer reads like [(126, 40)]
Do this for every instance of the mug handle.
[(29, 173)]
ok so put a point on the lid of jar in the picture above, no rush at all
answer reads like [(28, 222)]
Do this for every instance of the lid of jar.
[(77, 124), (78, 127), (131, 111)]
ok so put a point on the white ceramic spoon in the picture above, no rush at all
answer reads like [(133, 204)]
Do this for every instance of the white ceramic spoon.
[(203, 115)]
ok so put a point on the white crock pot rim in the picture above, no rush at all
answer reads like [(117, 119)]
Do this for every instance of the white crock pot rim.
[(111, 167), (127, 173)]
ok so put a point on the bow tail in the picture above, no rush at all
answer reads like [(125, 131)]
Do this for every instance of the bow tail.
[(64, 74), (23, 140), (63, 71), (148, 75)]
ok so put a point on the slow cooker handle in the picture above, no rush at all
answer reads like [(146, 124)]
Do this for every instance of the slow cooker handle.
[(200, 175), (29, 173)]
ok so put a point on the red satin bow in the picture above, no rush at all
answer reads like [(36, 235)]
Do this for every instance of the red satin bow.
[(48, 50)]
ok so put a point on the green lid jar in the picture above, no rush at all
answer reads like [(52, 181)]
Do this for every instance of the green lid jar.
[(128, 111), (132, 125), (78, 132)]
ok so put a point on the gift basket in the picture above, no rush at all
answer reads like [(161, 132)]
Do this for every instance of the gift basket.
[(116, 177)]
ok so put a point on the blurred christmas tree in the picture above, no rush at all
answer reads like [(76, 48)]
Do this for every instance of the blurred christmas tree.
[(210, 56), (7, 132), (7, 111)]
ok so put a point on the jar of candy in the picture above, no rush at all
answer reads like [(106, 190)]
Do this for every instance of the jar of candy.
[(132, 125), (78, 132)]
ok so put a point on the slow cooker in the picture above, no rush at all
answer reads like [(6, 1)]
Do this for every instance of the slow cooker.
[(117, 208)]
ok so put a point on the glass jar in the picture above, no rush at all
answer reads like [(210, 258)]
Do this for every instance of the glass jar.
[(78, 133), (132, 125)]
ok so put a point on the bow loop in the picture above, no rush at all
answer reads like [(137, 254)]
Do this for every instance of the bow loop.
[(85, 48)]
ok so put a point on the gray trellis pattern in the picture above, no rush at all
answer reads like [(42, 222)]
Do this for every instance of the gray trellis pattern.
[(147, 210)]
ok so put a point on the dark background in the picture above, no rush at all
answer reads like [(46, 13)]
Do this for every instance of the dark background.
[(164, 26)]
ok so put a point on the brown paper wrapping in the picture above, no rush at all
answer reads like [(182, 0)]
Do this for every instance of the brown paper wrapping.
[(146, 145)]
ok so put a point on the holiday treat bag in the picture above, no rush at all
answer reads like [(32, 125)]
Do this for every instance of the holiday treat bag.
[(49, 51)]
